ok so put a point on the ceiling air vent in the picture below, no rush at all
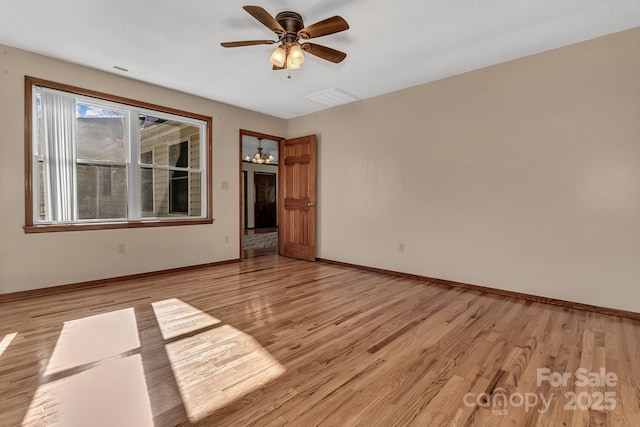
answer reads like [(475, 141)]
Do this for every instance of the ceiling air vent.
[(332, 97)]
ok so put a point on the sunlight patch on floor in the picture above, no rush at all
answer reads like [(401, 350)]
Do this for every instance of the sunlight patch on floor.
[(92, 339), (214, 367), (92, 378), (112, 394), (176, 317), (96, 376), (4, 344)]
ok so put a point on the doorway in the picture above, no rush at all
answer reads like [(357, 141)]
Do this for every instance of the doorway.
[(265, 212), (259, 199)]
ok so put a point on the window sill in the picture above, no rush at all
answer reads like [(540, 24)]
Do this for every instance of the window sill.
[(48, 228)]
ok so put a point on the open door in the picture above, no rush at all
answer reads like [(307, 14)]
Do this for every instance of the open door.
[(297, 198)]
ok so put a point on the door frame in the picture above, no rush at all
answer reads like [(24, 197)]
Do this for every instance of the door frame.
[(241, 196), (244, 222)]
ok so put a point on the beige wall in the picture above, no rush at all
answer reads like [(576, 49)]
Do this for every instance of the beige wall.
[(523, 176), (30, 261)]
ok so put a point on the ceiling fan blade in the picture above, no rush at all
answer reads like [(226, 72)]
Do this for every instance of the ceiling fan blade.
[(246, 43), (265, 18), (325, 27), (324, 52)]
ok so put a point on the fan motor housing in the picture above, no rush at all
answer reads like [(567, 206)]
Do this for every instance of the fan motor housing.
[(291, 21)]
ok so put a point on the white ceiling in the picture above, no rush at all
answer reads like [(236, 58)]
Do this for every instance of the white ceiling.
[(390, 45)]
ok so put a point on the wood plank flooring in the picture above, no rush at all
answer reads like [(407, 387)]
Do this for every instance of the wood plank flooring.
[(273, 341)]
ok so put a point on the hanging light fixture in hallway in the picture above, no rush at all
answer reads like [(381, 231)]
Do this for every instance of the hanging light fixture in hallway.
[(260, 157)]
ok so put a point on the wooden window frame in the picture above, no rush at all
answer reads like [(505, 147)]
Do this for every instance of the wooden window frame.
[(31, 227)]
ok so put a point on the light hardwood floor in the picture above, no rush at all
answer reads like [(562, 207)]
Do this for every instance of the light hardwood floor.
[(273, 341)]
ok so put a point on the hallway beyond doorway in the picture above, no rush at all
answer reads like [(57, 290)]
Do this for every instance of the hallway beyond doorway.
[(260, 241)]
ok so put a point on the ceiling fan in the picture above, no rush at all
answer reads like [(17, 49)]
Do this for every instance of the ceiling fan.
[(292, 36)]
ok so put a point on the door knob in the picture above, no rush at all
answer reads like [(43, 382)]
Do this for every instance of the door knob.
[(311, 204)]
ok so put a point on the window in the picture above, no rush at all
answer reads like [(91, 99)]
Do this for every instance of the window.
[(99, 161)]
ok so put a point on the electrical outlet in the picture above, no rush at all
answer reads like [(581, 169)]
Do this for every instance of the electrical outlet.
[(122, 248), (226, 239), (400, 247), (225, 185)]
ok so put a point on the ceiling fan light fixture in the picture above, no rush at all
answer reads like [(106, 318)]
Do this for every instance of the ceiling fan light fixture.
[(278, 57), (290, 29), (296, 57), (291, 65)]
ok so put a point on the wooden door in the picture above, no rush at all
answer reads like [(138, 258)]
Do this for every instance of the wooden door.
[(297, 198)]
